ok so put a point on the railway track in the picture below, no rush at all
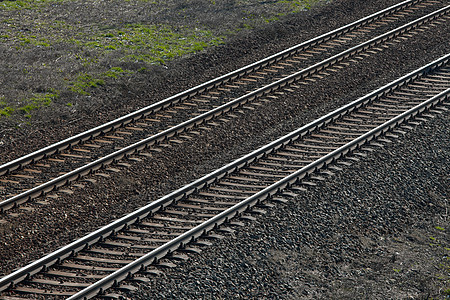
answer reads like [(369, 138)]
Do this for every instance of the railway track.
[(181, 116), (157, 234)]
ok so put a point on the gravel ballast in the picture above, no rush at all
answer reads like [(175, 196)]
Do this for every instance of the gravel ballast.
[(27, 238), (376, 230)]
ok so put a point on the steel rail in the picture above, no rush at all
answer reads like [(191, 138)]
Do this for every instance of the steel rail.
[(182, 127), (206, 180), (168, 102), (214, 222)]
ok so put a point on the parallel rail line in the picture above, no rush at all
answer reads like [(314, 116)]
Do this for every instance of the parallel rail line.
[(104, 258), (185, 126), (169, 102)]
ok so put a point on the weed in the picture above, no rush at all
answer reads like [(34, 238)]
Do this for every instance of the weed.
[(152, 43), (86, 61), (38, 101), (24, 4), (33, 40), (6, 111), (86, 81), (439, 228), (114, 72), (271, 19), (83, 82), (298, 5), (247, 26)]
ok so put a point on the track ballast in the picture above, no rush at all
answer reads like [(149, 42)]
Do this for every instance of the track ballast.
[(186, 217)]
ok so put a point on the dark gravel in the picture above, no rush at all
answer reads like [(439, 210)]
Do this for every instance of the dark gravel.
[(376, 230), (26, 238)]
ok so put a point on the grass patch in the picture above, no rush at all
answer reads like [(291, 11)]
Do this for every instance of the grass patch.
[(281, 8), (115, 72), (28, 105), (5, 110), (84, 82), (137, 43), (33, 40), (24, 4), (299, 5), (37, 102), (152, 43), (147, 44)]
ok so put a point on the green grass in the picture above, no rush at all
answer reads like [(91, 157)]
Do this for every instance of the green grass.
[(145, 44), (33, 40), (298, 5), (37, 102), (5, 110), (28, 105), (24, 4), (114, 72), (151, 43), (83, 82)]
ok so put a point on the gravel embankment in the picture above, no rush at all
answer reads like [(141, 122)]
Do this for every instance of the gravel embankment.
[(379, 229), (27, 237)]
